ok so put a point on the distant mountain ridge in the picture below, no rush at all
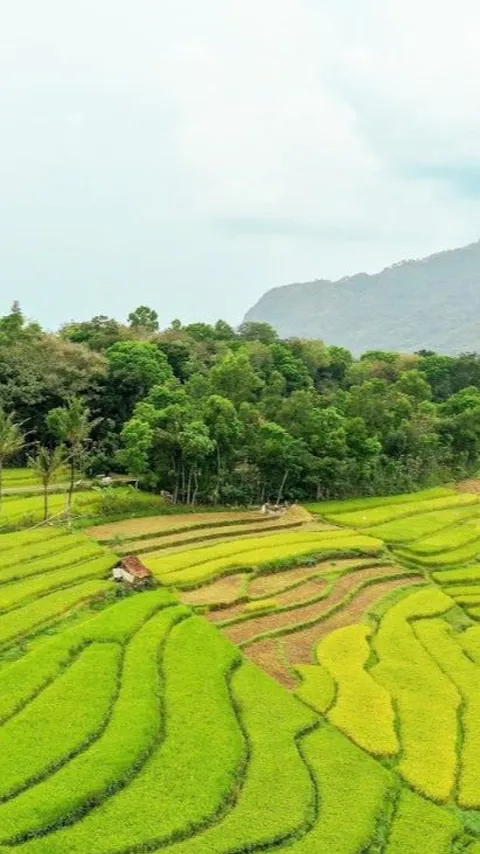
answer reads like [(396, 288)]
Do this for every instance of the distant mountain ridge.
[(432, 303)]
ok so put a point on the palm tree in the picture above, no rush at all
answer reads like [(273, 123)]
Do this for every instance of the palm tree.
[(45, 465), (12, 441), (72, 424)]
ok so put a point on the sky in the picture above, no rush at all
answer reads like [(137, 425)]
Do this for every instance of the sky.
[(191, 155)]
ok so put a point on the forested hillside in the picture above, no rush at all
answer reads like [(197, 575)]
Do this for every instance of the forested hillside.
[(433, 302), (214, 415)]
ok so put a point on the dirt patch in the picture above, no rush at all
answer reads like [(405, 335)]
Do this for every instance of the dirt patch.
[(220, 592), (273, 583), (299, 646), (249, 629), (268, 655), (472, 485)]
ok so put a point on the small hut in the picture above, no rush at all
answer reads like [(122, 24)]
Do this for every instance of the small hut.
[(133, 571)]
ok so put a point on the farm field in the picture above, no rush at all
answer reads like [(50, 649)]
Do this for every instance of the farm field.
[(300, 683)]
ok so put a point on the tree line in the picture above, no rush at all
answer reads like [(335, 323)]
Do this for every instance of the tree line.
[(217, 415)]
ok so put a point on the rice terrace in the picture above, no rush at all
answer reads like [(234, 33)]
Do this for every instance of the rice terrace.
[(305, 682)]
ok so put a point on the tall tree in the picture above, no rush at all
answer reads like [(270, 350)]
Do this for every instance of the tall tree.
[(144, 318), (45, 464), (72, 425), (12, 440)]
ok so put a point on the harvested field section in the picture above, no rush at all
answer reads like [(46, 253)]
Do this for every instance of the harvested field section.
[(305, 592), (224, 591), (300, 645), (269, 584), (268, 654), (151, 526), (346, 587)]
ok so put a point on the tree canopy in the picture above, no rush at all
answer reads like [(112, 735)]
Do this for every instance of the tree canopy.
[(213, 414)]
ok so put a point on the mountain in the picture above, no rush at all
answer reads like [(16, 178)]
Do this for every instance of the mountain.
[(432, 303)]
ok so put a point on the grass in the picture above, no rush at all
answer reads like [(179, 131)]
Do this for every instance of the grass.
[(459, 575), (317, 688), (453, 538), (23, 679), (150, 528), (450, 557), (352, 789), (61, 720), (174, 741), (362, 708), (16, 510)]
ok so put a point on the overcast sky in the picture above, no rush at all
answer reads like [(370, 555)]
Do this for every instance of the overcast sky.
[(191, 154)]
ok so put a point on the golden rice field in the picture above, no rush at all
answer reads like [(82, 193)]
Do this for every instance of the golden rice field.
[(307, 684)]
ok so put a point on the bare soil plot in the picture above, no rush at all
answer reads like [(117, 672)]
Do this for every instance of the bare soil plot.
[(299, 646), (247, 630), (224, 591), (151, 525), (268, 654), (273, 583)]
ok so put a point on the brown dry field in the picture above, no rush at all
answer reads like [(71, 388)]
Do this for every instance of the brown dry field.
[(268, 655), (299, 646), (273, 583), (157, 524), (310, 589), (471, 485), (247, 630), (223, 591)]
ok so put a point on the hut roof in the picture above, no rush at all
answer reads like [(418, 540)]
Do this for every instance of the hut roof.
[(135, 567)]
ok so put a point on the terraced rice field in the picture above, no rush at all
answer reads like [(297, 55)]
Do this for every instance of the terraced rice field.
[(365, 741)]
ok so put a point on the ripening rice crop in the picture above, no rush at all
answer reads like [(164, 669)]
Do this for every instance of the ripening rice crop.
[(379, 515), (418, 686), (412, 528), (199, 565), (350, 504), (362, 708)]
